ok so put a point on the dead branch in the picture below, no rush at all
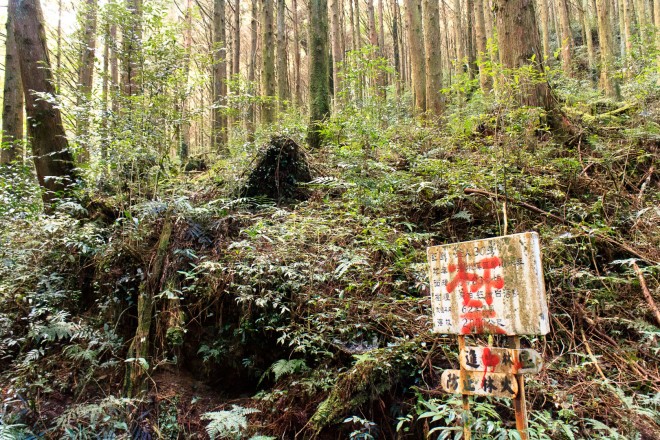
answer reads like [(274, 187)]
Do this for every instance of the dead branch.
[(620, 245), (647, 294)]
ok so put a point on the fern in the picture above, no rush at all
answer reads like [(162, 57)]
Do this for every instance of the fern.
[(11, 432), (228, 424), (285, 367)]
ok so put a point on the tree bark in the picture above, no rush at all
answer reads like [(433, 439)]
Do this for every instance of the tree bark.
[(417, 56), (267, 62), (236, 65), (250, 118), (433, 64), (132, 42), (319, 89), (283, 91), (296, 55), (490, 33), (184, 138), (114, 70), (52, 158), (12, 108), (627, 32), (395, 45), (481, 40), (586, 20), (105, 92), (219, 77), (603, 9), (545, 33), (381, 28), (458, 37), (520, 45), (337, 56), (469, 42), (642, 22), (371, 20), (566, 42), (86, 75), (58, 49)]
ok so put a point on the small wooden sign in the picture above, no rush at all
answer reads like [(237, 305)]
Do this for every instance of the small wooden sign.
[(477, 383), (501, 360), (489, 286)]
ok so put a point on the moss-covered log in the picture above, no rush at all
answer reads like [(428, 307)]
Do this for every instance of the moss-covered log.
[(139, 352)]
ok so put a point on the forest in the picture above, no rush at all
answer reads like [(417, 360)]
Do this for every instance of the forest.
[(218, 217)]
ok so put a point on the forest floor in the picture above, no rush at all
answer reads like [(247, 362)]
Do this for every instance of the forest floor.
[(310, 316)]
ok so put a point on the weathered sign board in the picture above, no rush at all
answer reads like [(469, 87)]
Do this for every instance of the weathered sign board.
[(474, 383), (501, 360), (489, 286)]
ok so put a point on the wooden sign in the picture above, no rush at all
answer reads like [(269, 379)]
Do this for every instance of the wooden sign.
[(489, 286), (479, 383), (501, 360)]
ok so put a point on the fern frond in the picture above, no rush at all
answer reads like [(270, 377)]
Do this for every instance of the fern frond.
[(228, 424)]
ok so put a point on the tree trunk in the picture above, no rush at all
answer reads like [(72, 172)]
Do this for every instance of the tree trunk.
[(627, 32), (395, 45), (656, 21), (296, 54), (490, 33), (353, 27), (184, 138), (337, 56), (371, 20), (319, 89), (358, 28), (458, 37), (433, 64), (267, 62), (283, 91), (608, 83), (519, 42), (446, 38), (642, 23), (52, 158), (236, 65), (417, 56), (86, 75), (470, 47), (381, 28), (586, 20), (482, 50), (250, 118), (132, 42), (219, 77), (114, 69), (58, 49), (545, 32), (12, 109), (105, 92), (566, 42)]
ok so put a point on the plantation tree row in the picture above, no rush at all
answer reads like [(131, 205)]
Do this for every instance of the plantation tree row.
[(184, 78)]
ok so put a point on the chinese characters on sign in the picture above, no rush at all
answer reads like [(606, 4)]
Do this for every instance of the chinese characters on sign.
[(501, 360), (478, 384), (489, 286)]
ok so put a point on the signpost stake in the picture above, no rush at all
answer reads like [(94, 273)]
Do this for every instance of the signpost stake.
[(519, 402), (466, 399)]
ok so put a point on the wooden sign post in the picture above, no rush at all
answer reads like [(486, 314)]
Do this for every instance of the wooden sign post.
[(492, 286)]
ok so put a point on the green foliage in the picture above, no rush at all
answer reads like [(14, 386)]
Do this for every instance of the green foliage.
[(228, 424), (108, 417)]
